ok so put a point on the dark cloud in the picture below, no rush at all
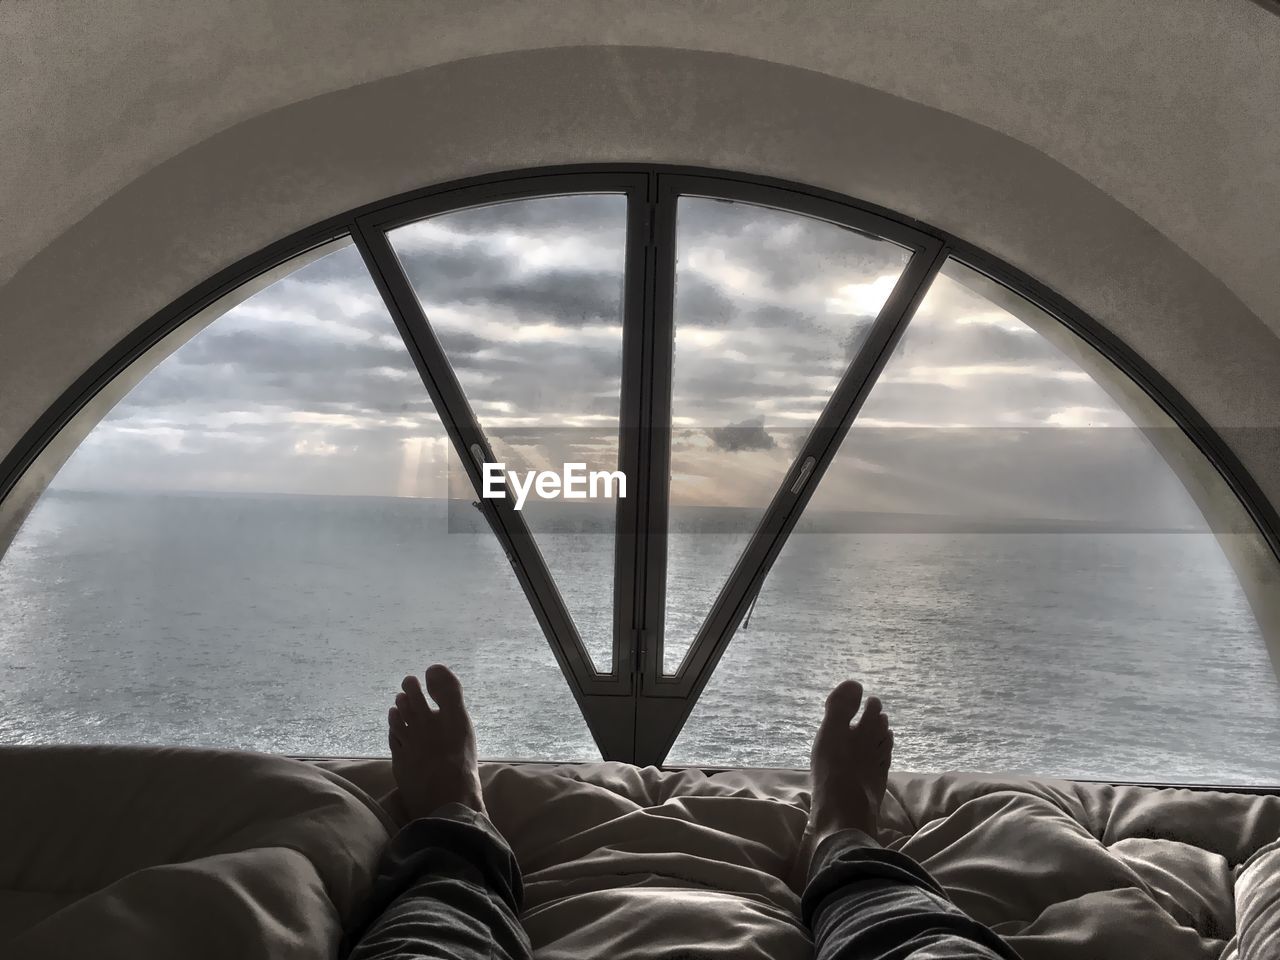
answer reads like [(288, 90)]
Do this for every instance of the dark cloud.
[(607, 403), (856, 336), (460, 343), (541, 379), (702, 303), (776, 315), (205, 389), (747, 435), (307, 387), (569, 296), (256, 352), (810, 334), (476, 273), (451, 275), (591, 213)]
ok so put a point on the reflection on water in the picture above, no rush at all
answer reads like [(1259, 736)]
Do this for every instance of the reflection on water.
[(285, 623)]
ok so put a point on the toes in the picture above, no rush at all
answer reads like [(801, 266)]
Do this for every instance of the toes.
[(414, 702), (872, 727), (395, 726), (444, 687), (843, 702), (873, 719), (883, 749)]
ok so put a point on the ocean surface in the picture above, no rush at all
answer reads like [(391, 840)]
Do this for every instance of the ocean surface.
[(284, 624)]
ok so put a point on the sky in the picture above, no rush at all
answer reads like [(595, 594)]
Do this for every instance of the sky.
[(306, 387)]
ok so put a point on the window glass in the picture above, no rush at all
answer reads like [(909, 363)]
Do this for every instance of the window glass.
[(252, 549), (526, 300), (1004, 557), (770, 308)]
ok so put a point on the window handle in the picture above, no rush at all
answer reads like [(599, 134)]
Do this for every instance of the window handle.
[(806, 469), (495, 530)]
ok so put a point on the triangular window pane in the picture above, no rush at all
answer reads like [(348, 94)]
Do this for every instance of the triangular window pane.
[(252, 549), (770, 308), (1013, 567), (526, 299)]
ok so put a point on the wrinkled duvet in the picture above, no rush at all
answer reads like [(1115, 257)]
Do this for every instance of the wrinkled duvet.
[(164, 852)]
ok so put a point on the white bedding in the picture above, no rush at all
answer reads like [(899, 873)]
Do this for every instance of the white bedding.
[(139, 852)]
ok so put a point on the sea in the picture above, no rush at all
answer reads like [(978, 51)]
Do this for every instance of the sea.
[(284, 624)]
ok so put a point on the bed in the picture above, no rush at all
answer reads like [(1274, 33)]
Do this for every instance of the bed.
[(179, 852)]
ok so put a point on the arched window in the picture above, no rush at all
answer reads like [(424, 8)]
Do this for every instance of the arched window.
[(1005, 556), (849, 448)]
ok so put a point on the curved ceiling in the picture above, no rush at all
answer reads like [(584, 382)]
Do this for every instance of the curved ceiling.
[(1128, 155), (1168, 105)]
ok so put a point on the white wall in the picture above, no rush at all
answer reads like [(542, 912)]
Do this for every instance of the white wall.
[(264, 177)]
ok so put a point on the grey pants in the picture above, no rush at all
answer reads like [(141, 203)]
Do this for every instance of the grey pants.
[(449, 888)]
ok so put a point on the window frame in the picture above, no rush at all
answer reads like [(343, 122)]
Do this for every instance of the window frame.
[(604, 699), (664, 702), (635, 712)]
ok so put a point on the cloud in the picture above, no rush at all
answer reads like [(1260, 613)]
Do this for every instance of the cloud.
[(784, 252), (1090, 475), (747, 435), (588, 213), (307, 386), (856, 336), (567, 295), (701, 303)]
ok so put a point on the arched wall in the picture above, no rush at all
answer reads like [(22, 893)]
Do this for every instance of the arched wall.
[(252, 184)]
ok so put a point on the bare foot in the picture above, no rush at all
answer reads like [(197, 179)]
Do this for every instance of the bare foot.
[(433, 752), (849, 765)]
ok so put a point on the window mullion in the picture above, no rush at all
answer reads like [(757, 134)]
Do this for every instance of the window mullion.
[(797, 486), (655, 443), (661, 281), (473, 449)]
